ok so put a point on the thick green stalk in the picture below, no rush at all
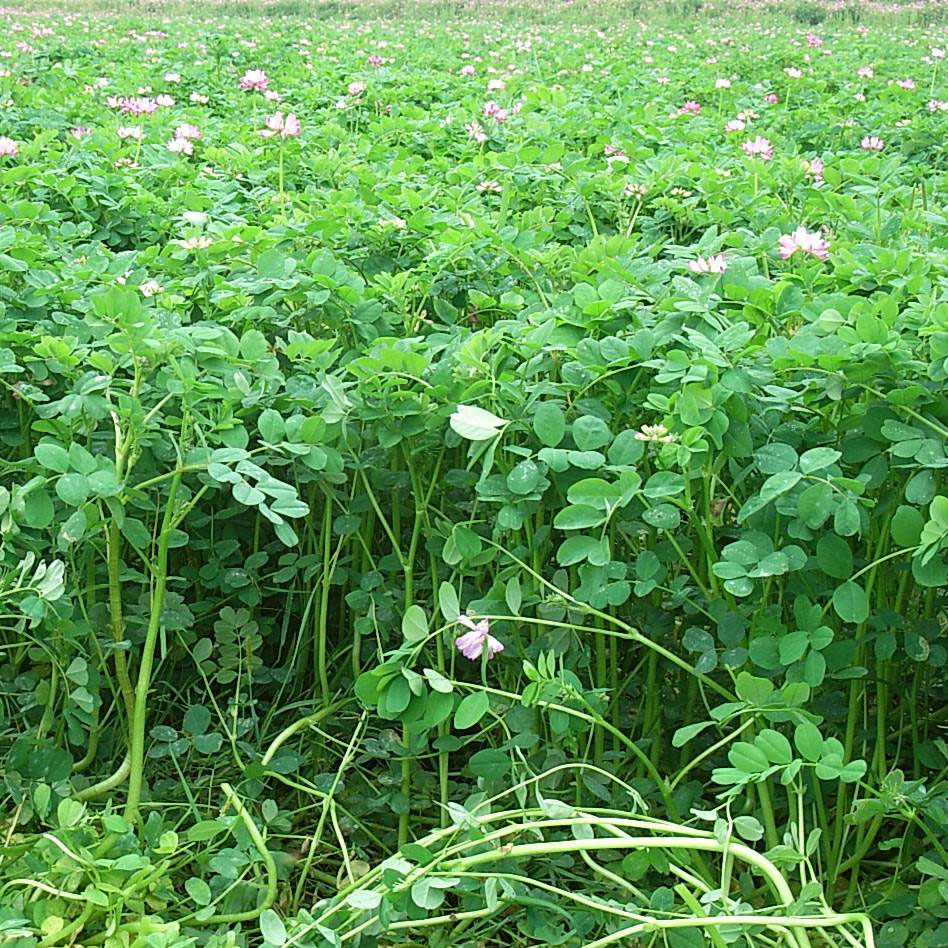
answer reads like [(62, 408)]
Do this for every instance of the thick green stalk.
[(325, 537), (140, 712)]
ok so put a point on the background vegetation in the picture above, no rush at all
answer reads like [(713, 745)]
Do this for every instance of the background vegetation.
[(506, 507)]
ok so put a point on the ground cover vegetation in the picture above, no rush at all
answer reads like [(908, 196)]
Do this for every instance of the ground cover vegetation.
[(474, 477)]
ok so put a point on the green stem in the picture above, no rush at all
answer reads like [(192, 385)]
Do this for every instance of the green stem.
[(140, 712)]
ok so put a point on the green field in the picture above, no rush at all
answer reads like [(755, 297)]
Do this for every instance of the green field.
[(474, 475)]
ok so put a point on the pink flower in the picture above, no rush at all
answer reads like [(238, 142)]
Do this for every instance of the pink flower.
[(690, 108), (906, 83), (771, 99), (814, 170), (468, 70), (288, 127), (937, 105), (129, 131), (735, 125), (865, 72), (136, 105), (494, 111), (872, 143), (496, 85), (8, 147), (254, 79), (187, 131), (805, 241), (758, 148), (813, 40), (271, 95), (180, 146), (471, 644), (80, 131), (859, 97), (355, 89), (149, 288), (793, 72), (475, 131), (376, 60), (713, 264)]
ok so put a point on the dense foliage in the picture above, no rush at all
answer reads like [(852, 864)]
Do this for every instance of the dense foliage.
[(473, 481)]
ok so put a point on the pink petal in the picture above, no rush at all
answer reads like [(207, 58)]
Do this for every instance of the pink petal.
[(470, 645)]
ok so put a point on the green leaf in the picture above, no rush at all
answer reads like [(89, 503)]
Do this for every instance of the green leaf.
[(663, 484), (818, 459), (808, 741), (272, 928), (365, 899), (415, 624), (579, 517), (524, 478), (778, 484), (196, 720), (448, 602), (549, 424), (748, 758), (52, 456), (471, 709), (906, 526), (476, 424), (72, 489), (590, 433), (594, 492), (271, 427), (850, 602), (662, 517), (490, 763), (846, 522), (792, 646), (774, 745), (688, 732), (834, 556), (513, 595), (253, 346), (815, 504), (199, 890)]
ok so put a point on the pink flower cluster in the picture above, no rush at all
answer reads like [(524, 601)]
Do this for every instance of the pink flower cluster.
[(184, 135), (288, 127), (814, 170), (872, 143), (8, 147), (758, 148), (690, 108), (472, 644), (805, 241), (494, 111), (133, 105), (254, 79), (713, 264)]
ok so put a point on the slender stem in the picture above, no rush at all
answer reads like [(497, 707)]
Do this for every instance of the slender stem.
[(140, 712)]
